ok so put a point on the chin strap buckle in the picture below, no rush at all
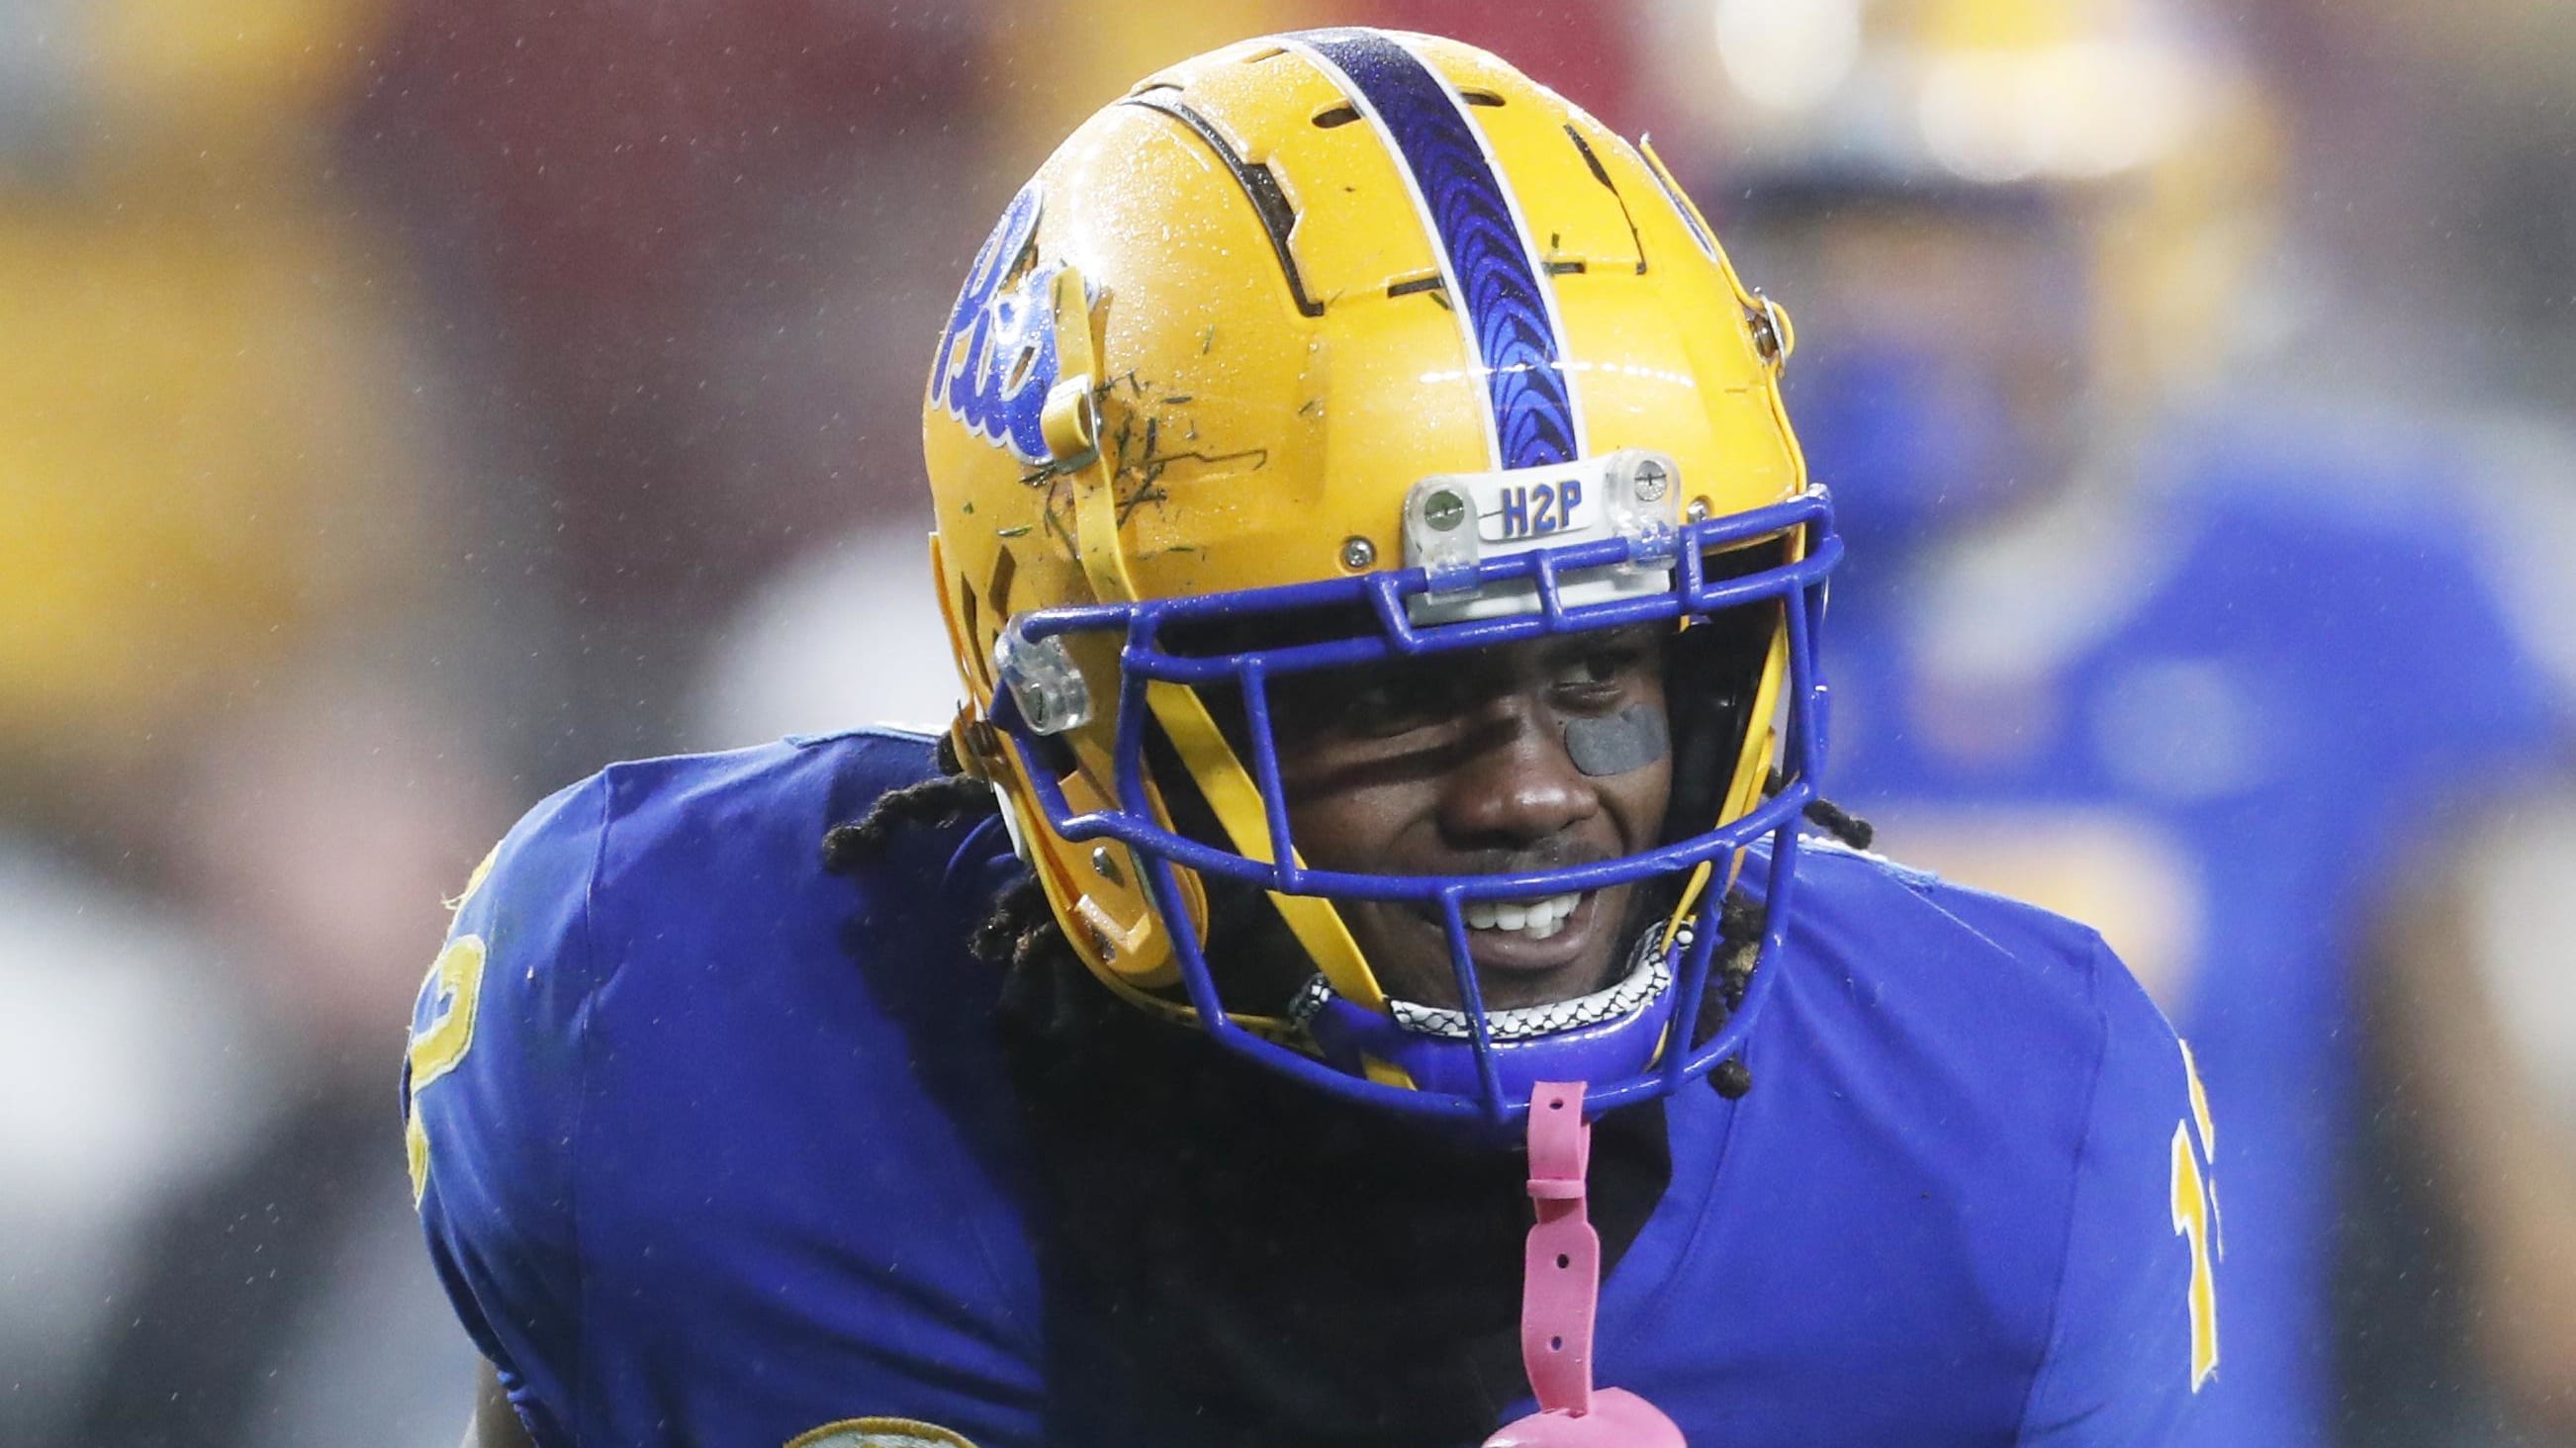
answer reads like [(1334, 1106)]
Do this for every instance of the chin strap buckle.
[(1561, 1293)]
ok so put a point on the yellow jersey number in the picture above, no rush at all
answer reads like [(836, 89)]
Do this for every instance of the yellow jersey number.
[(455, 984), (457, 979), (2195, 1219)]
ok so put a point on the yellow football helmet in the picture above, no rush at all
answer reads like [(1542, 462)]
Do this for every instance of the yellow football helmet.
[(1366, 327)]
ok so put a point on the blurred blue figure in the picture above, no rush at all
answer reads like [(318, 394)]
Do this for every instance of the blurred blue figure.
[(2199, 664), (2229, 757)]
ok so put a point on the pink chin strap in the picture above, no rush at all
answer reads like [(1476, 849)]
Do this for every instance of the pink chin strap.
[(1560, 1291)]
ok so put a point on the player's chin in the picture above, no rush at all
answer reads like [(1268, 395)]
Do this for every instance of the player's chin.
[(1534, 960)]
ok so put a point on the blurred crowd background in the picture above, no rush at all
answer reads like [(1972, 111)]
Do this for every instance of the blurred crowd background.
[(410, 406)]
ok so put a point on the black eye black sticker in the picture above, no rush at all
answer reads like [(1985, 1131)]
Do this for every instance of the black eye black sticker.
[(1630, 739)]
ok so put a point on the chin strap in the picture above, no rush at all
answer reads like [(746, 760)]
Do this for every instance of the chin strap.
[(1560, 1293)]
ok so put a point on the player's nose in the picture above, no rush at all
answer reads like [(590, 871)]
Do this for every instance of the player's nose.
[(1515, 784)]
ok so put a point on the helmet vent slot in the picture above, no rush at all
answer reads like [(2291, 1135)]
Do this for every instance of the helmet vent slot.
[(970, 617), (1591, 161), (1480, 98), (1278, 218), (1331, 116), (1601, 173), (1005, 568)]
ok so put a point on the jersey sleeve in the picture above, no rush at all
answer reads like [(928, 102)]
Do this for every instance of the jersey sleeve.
[(492, 1101), (2133, 1351)]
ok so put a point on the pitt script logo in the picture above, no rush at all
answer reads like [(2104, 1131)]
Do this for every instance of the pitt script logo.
[(998, 360)]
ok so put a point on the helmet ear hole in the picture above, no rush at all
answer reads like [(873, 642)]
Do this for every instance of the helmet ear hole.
[(1712, 673), (1706, 692)]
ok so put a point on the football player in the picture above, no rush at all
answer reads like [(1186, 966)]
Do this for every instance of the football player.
[(1356, 971)]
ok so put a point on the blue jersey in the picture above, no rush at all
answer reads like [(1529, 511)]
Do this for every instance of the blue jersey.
[(715, 1147), (2213, 726)]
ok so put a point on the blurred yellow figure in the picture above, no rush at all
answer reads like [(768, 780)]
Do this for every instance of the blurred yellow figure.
[(198, 474)]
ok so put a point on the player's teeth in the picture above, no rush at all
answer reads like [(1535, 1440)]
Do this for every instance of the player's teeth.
[(1537, 919)]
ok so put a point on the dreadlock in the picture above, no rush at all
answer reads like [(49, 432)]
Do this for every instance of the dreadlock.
[(1824, 814), (1740, 926), (1020, 932), (1020, 928), (947, 798), (1840, 823)]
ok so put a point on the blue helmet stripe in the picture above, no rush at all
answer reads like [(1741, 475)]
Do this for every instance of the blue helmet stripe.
[(1503, 301)]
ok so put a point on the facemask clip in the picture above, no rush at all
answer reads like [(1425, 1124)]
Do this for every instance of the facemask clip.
[(1044, 681)]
